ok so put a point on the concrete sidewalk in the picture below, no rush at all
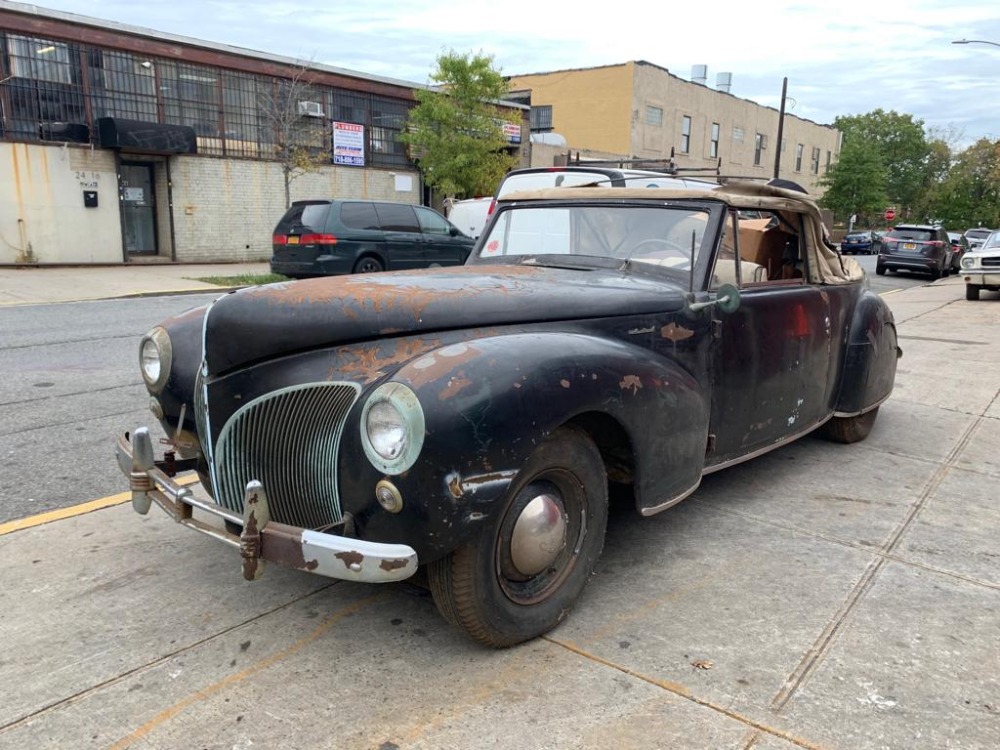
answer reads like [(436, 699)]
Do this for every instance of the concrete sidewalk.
[(38, 285)]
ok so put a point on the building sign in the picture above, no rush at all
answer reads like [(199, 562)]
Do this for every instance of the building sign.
[(512, 132), (348, 144)]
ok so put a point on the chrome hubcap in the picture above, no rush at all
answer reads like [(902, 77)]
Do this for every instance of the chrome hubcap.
[(539, 535)]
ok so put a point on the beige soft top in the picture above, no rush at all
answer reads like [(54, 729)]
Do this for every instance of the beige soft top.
[(825, 264)]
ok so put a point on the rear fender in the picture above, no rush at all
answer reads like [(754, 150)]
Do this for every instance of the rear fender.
[(870, 363)]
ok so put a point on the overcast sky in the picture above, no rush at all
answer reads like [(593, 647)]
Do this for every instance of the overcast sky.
[(841, 58)]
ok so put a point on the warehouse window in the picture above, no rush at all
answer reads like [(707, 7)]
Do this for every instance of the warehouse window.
[(654, 116), (713, 147), (685, 135), (798, 156), (541, 118), (815, 160), (759, 144)]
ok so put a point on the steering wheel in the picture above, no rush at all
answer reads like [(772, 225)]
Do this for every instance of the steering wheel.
[(655, 244)]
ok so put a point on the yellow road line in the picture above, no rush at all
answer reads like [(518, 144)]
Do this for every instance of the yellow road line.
[(76, 510)]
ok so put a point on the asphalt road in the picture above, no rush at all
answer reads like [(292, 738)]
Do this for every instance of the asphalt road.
[(72, 385), (892, 281)]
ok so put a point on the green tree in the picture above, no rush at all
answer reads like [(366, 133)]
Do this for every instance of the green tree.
[(970, 195), (855, 184), (456, 131), (300, 141), (902, 145)]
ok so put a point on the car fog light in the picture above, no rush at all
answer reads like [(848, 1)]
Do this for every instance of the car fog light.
[(388, 496), (156, 407)]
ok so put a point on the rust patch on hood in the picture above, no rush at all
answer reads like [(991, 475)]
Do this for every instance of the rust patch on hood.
[(455, 385), (439, 364), (675, 333)]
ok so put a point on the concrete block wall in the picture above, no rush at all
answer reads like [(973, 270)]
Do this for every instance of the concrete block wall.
[(226, 209), (42, 216)]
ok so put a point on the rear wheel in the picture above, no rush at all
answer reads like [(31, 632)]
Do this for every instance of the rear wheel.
[(880, 269), (525, 572), (972, 292), (369, 264), (850, 429)]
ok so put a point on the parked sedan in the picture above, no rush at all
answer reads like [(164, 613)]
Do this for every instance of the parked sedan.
[(981, 268), (469, 419), (860, 243)]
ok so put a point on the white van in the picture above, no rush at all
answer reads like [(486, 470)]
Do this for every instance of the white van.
[(470, 215)]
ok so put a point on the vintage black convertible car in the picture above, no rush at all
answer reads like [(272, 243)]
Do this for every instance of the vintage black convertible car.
[(469, 420)]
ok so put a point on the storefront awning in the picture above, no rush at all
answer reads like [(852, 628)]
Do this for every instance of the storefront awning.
[(140, 137)]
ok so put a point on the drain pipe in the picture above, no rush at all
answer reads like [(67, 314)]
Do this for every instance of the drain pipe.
[(170, 212)]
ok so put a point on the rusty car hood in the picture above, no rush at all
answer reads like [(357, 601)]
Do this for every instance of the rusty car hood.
[(259, 323)]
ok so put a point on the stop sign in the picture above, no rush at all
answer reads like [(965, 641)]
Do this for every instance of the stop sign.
[(890, 214)]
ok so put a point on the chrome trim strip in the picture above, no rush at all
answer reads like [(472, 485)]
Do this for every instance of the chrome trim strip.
[(863, 411), (767, 448)]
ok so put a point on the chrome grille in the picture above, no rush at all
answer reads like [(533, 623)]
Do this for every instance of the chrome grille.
[(287, 440), (991, 262)]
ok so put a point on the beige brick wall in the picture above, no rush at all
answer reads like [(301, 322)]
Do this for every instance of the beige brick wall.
[(602, 113)]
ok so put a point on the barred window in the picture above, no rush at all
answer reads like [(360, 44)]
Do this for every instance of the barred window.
[(50, 83), (541, 118)]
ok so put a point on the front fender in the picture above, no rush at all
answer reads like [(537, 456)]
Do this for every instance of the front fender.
[(870, 361), (488, 402)]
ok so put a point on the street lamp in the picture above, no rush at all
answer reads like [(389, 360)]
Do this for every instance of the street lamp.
[(975, 41)]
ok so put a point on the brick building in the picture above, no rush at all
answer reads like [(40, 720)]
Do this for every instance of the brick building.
[(120, 144), (637, 110)]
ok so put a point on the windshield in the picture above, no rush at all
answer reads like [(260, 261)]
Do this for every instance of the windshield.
[(656, 235), (992, 242), (977, 234)]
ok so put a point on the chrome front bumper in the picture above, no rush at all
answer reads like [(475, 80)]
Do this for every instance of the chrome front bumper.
[(261, 538)]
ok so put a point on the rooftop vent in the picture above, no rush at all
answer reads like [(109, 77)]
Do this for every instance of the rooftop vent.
[(699, 74), (724, 82)]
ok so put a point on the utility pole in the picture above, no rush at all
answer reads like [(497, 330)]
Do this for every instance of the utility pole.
[(781, 128)]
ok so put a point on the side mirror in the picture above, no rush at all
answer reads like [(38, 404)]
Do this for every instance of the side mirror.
[(454, 231), (727, 299)]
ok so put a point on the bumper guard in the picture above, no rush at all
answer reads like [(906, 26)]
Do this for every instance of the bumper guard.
[(261, 539)]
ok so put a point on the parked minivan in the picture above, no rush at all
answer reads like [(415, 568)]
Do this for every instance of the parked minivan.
[(327, 237)]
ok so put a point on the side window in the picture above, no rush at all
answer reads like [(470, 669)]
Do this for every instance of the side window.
[(431, 222), (358, 215), (769, 250), (727, 268), (397, 217)]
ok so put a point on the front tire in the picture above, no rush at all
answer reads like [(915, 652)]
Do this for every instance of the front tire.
[(880, 269), (972, 292), (850, 429), (524, 573)]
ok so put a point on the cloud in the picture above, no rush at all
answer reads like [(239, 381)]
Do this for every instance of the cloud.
[(845, 59)]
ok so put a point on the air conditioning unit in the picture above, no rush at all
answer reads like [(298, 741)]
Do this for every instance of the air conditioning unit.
[(310, 109)]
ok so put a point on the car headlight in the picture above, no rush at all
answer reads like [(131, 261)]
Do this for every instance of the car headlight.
[(392, 428), (155, 355), (969, 262)]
